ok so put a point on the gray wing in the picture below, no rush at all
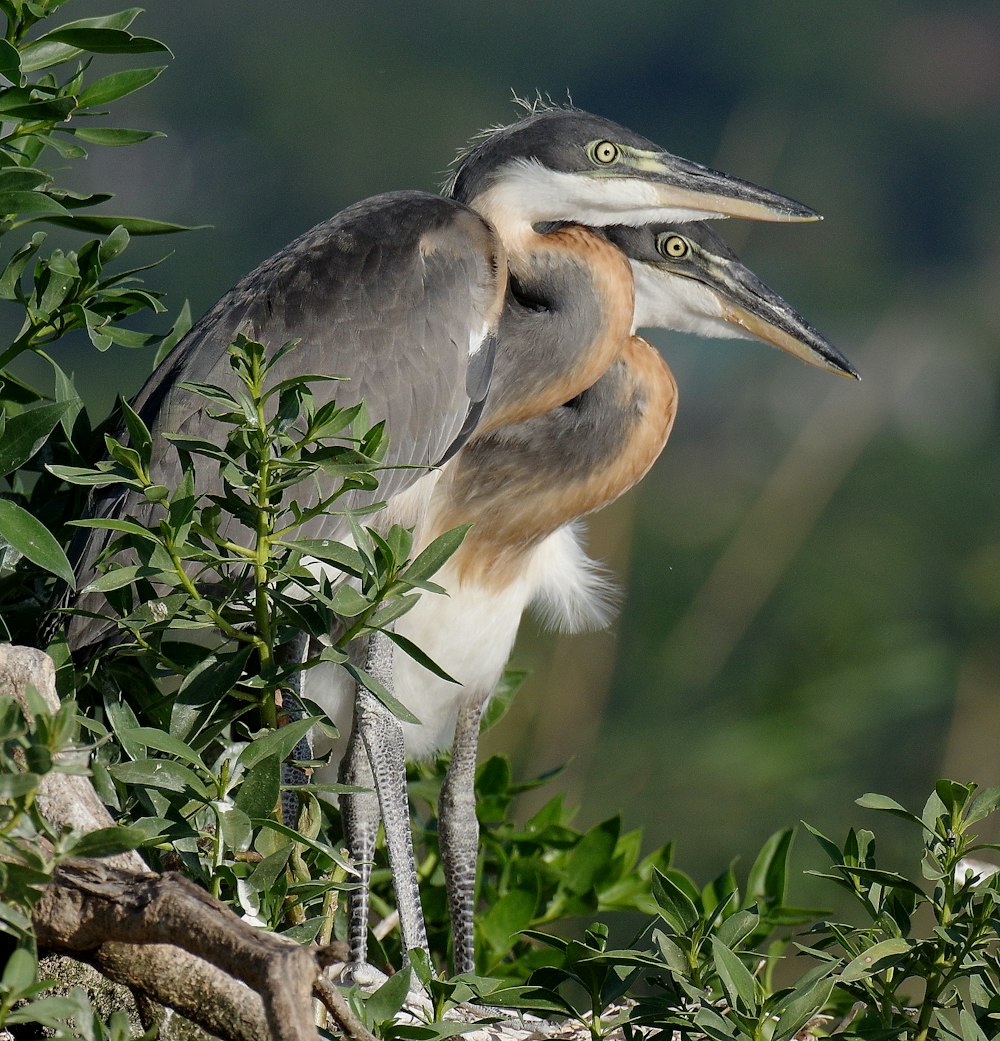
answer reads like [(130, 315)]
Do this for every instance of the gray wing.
[(400, 293)]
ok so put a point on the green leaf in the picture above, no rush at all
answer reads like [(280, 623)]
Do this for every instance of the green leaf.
[(103, 41), (113, 523), (676, 908), (873, 801), (383, 1005), (876, 959), (20, 971), (138, 433), (278, 742), (116, 578), (108, 842), (503, 697), (162, 774), (985, 803), (118, 85), (348, 602), (237, 831), (396, 707), (344, 557), (180, 329), (86, 476), (809, 997), (258, 794), (25, 434), (510, 914), (33, 540), (292, 835), (590, 859), (10, 62), (13, 786), (41, 54), (104, 224), (540, 1000), (435, 555), (414, 652), (30, 203), (736, 978), (150, 737), (11, 276), (888, 879), (737, 927), (767, 879), (22, 178), (111, 137)]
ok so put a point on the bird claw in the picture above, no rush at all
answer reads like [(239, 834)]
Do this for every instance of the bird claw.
[(364, 976)]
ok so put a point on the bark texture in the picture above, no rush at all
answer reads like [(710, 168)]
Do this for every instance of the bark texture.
[(160, 935)]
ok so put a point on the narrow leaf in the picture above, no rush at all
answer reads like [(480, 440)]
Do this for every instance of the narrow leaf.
[(877, 958), (117, 85), (33, 540), (278, 742), (435, 555), (736, 978), (25, 434)]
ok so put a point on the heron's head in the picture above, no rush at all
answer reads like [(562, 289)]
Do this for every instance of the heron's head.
[(566, 165), (688, 279)]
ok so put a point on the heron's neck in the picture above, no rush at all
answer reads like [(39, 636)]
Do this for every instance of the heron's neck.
[(568, 316), (521, 482)]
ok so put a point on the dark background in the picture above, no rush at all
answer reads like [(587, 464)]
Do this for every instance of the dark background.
[(811, 573)]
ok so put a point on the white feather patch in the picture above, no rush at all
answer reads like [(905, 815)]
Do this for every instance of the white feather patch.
[(573, 593), (667, 301), (527, 193)]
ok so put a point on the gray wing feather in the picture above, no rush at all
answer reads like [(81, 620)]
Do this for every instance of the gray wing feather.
[(391, 293)]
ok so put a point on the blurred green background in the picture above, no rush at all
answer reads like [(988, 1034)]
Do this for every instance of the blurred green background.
[(811, 574)]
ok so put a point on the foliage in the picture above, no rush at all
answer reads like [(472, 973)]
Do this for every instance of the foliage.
[(30, 852), (50, 103)]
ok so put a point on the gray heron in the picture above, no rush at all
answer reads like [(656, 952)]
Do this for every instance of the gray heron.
[(522, 485), (411, 296)]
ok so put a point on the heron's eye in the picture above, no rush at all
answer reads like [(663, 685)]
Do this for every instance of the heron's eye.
[(674, 246), (604, 152)]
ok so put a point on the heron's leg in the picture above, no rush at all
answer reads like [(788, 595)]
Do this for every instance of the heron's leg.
[(360, 815), (382, 734), (294, 651), (458, 833)]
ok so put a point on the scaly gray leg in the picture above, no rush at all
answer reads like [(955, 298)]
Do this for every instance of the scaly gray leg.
[(360, 814), (458, 834), (382, 734), (294, 651)]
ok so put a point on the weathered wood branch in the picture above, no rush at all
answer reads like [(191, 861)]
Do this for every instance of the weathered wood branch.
[(90, 904), (161, 934)]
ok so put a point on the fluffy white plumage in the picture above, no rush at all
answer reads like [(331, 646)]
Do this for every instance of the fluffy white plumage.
[(470, 634)]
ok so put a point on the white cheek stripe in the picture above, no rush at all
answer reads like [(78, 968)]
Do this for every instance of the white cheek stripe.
[(526, 193), (666, 301)]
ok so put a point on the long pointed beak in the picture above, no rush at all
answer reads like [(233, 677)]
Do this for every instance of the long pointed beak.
[(696, 189), (749, 303)]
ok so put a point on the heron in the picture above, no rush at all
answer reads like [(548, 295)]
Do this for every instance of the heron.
[(417, 298), (523, 486)]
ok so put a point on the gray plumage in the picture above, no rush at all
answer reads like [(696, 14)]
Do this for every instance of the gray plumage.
[(395, 292)]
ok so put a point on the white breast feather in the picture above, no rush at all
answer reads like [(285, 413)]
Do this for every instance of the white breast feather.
[(470, 634)]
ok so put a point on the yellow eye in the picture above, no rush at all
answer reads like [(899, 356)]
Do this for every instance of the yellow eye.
[(604, 152), (674, 246)]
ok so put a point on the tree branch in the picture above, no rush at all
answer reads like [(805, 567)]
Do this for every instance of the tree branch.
[(161, 934)]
